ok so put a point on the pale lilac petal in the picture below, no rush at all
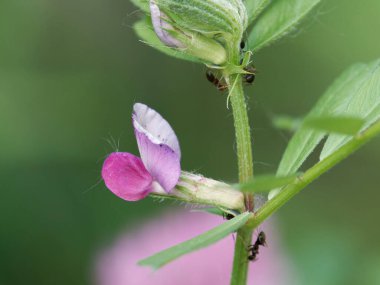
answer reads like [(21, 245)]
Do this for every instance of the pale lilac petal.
[(151, 123), (117, 265), (126, 176), (160, 160), (161, 26), (158, 145)]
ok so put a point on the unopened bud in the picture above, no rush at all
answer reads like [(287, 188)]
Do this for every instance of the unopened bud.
[(196, 189), (204, 29)]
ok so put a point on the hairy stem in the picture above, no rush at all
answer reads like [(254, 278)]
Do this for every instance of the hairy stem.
[(240, 265), (245, 164), (242, 133)]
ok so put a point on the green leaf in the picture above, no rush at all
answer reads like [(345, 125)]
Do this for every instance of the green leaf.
[(254, 8), (144, 30), (287, 123), (278, 20), (266, 183), (356, 93), (305, 140), (160, 259), (142, 4), (342, 125), (218, 211), (364, 103), (214, 211)]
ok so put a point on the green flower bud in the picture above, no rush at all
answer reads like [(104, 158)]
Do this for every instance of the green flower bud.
[(209, 30), (196, 189)]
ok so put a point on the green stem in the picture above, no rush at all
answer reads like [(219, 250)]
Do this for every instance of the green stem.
[(241, 262), (242, 132), (312, 174), (244, 155)]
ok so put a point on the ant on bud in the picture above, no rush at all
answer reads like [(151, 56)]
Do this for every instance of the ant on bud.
[(260, 241), (212, 78), (248, 77)]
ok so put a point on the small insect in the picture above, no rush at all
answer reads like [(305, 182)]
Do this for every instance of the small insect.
[(249, 78), (212, 78), (260, 241), (228, 216), (242, 45)]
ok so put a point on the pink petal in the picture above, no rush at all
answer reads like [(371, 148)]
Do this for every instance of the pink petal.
[(158, 145), (160, 160), (126, 176)]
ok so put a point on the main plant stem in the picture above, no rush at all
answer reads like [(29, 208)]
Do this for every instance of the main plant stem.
[(245, 164), (242, 133)]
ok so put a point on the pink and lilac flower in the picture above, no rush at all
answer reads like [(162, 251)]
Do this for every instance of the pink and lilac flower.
[(132, 178)]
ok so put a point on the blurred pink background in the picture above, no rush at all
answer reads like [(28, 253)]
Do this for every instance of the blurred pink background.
[(117, 264)]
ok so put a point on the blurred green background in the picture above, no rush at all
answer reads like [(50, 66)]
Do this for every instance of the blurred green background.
[(70, 72)]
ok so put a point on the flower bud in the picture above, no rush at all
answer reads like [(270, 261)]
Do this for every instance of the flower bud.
[(197, 189), (204, 29)]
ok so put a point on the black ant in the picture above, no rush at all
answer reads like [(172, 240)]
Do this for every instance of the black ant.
[(249, 78), (242, 45), (260, 241), (211, 77), (228, 216)]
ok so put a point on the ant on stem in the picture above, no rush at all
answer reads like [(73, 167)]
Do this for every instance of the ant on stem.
[(247, 78), (254, 249)]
